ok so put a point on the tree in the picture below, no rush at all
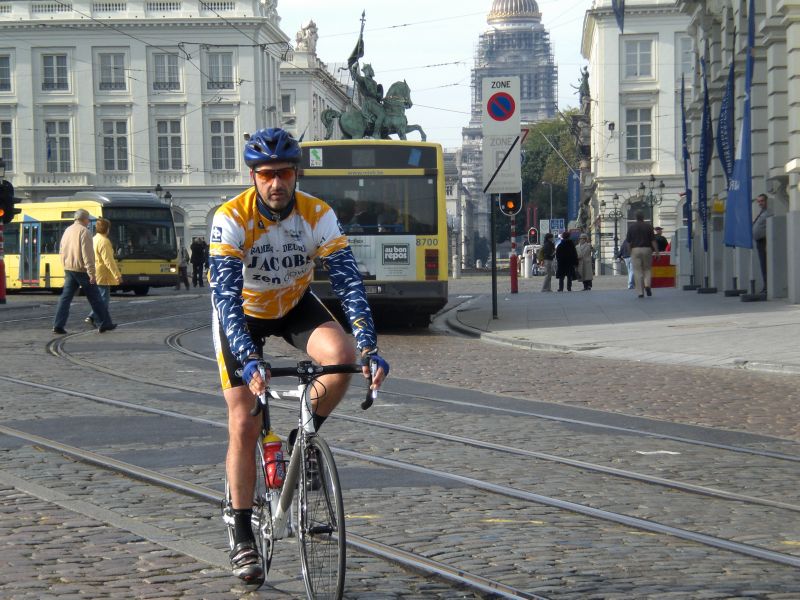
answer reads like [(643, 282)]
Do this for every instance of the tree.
[(542, 163)]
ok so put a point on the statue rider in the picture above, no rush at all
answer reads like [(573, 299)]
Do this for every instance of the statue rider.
[(372, 97)]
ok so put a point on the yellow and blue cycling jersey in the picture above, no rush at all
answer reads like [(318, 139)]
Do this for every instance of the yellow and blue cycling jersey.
[(261, 267)]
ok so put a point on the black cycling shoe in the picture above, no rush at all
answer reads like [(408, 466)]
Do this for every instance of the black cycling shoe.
[(246, 563)]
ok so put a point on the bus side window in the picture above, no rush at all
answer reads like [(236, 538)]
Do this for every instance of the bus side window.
[(51, 236)]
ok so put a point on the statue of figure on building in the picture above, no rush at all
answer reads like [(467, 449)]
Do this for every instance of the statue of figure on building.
[(583, 91), (371, 97), (307, 37)]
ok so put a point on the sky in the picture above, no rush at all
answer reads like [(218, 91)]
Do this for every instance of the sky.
[(430, 44)]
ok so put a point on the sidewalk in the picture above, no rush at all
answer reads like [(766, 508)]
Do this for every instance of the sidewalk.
[(672, 326)]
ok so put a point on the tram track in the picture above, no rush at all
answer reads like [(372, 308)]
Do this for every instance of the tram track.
[(504, 490), (457, 576)]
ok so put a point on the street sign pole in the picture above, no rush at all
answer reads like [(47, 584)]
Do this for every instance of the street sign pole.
[(512, 258), (501, 156)]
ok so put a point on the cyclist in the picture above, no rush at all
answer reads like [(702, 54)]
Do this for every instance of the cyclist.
[(263, 245)]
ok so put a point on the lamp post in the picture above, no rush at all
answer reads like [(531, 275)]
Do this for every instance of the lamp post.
[(168, 197), (551, 202), (159, 191), (649, 198), (615, 214)]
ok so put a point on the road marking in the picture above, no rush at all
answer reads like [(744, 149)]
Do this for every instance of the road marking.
[(651, 452)]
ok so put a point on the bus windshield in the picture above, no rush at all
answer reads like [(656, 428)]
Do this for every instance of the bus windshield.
[(393, 205), (142, 232)]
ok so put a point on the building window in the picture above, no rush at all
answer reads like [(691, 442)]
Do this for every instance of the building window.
[(638, 59), (5, 73), (57, 146), (112, 71), (6, 149), (169, 145), (54, 72), (638, 133), (685, 58), (115, 145), (166, 77), (223, 147), (220, 71), (287, 106)]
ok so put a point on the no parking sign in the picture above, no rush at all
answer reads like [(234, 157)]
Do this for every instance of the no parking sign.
[(501, 127)]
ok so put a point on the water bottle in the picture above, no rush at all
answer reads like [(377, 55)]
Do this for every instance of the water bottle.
[(273, 459)]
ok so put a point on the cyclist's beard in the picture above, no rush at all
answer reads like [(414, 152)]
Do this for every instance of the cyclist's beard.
[(268, 212)]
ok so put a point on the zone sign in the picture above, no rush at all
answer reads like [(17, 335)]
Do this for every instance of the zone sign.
[(500, 106)]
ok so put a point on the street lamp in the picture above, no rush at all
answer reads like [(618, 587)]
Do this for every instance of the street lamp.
[(159, 191), (551, 199), (648, 197), (168, 197), (615, 214)]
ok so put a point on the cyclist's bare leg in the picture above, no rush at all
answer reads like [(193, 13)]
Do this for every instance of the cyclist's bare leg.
[(330, 345), (243, 430)]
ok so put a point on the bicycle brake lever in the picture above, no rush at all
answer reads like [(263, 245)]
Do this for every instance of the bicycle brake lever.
[(372, 395)]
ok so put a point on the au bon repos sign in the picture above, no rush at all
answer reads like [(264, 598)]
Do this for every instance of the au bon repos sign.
[(501, 126)]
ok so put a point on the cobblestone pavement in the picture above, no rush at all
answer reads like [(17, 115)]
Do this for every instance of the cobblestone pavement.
[(563, 555)]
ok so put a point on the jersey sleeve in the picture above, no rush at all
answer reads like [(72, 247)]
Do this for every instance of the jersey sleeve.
[(329, 235), (226, 280), (349, 287)]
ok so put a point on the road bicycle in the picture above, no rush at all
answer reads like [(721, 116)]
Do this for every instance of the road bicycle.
[(311, 473)]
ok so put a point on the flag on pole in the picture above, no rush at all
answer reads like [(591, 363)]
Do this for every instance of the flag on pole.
[(738, 206), (687, 167), (573, 195), (358, 51), (725, 146), (706, 151), (619, 11)]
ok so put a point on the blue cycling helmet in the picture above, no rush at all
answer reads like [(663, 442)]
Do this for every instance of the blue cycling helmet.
[(271, 145)]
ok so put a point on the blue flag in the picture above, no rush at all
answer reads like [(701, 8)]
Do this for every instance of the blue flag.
[(738, 206), (725, 147), (573, 195), (706, 151), (687, 167), (619, 11)]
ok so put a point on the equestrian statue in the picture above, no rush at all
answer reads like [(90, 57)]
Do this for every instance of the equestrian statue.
[(380, 115)]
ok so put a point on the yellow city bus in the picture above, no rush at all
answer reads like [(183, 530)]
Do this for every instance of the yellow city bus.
[(142, 233), (389, 197)]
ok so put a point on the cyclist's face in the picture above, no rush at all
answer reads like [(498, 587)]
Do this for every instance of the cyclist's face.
[(275, 183)]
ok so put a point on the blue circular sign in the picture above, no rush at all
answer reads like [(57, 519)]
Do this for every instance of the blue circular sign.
[(501, 106)]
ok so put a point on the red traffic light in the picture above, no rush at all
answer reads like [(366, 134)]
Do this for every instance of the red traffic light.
[(533, 235)]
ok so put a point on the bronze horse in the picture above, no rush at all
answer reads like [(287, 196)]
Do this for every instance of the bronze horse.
[(354, 126)]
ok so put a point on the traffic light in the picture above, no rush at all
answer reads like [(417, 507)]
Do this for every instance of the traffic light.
[(7, 210), (533, 235), (510, 204)]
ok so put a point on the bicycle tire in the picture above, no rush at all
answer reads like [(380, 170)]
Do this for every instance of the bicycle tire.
[(320, 528), (261, 521), (262, 513)]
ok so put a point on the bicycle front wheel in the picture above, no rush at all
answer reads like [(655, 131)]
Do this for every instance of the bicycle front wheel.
[(321, 522)]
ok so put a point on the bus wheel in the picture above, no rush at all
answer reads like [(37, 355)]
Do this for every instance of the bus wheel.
[(141, 290)]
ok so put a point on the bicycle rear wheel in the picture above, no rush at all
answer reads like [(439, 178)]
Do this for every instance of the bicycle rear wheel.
[(320, 530)]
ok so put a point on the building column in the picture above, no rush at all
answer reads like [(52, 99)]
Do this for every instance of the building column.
[(790, 12)]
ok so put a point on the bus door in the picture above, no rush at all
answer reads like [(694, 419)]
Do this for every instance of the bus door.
[(29, 253)]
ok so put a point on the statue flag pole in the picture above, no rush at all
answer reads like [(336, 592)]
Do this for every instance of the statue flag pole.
[(358, 51)]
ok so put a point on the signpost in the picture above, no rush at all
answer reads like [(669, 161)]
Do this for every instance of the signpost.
[(502, 164)]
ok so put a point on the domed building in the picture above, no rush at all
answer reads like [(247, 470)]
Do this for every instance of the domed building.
[(515, 43)]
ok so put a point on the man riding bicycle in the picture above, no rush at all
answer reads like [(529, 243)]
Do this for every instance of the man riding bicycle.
[(263, 245)]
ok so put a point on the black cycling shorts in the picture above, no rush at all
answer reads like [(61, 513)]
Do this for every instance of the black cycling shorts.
[(295, 327)]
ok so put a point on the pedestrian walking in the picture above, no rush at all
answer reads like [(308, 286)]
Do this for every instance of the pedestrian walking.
[(198, 261), (183, 268), (77, 257), (625, 256), (585, 270), (106, 269), (642, 240), (567, 260), (548, 251)]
